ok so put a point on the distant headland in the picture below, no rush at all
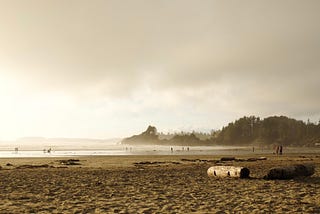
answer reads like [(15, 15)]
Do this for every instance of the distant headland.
[(275, 130)]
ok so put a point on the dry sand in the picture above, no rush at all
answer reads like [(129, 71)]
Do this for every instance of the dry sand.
[(153, 184)]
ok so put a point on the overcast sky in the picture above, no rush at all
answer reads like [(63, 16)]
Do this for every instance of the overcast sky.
[(103, 69)]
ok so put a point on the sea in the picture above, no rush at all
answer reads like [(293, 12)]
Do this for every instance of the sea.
[(120, 150)]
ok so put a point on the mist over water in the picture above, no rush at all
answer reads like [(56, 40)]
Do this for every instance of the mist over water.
[(69, 150), (127, 150)]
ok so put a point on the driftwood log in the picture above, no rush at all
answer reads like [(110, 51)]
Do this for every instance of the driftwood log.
[(227, 159), (70, 162), (228, 171), (257, 159), (289, 172)]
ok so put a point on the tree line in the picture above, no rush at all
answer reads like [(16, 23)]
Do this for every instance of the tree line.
[(275, 130), (279, 130)]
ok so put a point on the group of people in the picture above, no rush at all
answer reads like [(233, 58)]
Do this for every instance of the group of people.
[(279, 150), (47, 151), (129, 149), (187, 149)]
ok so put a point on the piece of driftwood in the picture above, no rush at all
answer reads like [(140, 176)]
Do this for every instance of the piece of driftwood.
[(227, 159), (262, 158), (257, 159), (70, 162), (27, 166), (155, 163), (228, 171), (289, 172)]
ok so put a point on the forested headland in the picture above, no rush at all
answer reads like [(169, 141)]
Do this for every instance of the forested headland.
[(275, 130)]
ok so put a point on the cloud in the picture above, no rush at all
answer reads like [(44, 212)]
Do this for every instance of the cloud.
[(207, 58)]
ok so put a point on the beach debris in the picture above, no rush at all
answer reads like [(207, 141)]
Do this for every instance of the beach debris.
[(250, 159), (223, 159), (155, 163), (256, 159), (198, 160), (148, 163), (289, 172), (70, 162), (228, 171), (227, 159), (27, 166)]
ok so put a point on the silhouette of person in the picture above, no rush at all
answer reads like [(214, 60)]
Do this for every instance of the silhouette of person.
[(277, 150)]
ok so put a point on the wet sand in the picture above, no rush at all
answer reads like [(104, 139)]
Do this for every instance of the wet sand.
[(153, 184)]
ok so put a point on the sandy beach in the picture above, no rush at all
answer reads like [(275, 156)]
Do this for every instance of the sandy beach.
[(153, 184)]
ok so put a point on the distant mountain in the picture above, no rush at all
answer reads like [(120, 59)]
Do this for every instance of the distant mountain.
[(67, 140), (275, 130), (39, 143)]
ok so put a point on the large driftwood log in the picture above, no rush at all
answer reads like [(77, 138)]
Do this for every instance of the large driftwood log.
[(289, 172), (228, 171)]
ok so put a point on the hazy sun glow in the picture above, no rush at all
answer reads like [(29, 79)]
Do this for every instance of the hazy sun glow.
[(103, 69)]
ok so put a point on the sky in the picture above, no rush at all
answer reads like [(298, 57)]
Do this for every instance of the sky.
[(105, 69)]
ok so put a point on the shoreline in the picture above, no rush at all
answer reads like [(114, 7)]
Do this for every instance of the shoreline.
[(153, 151)]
